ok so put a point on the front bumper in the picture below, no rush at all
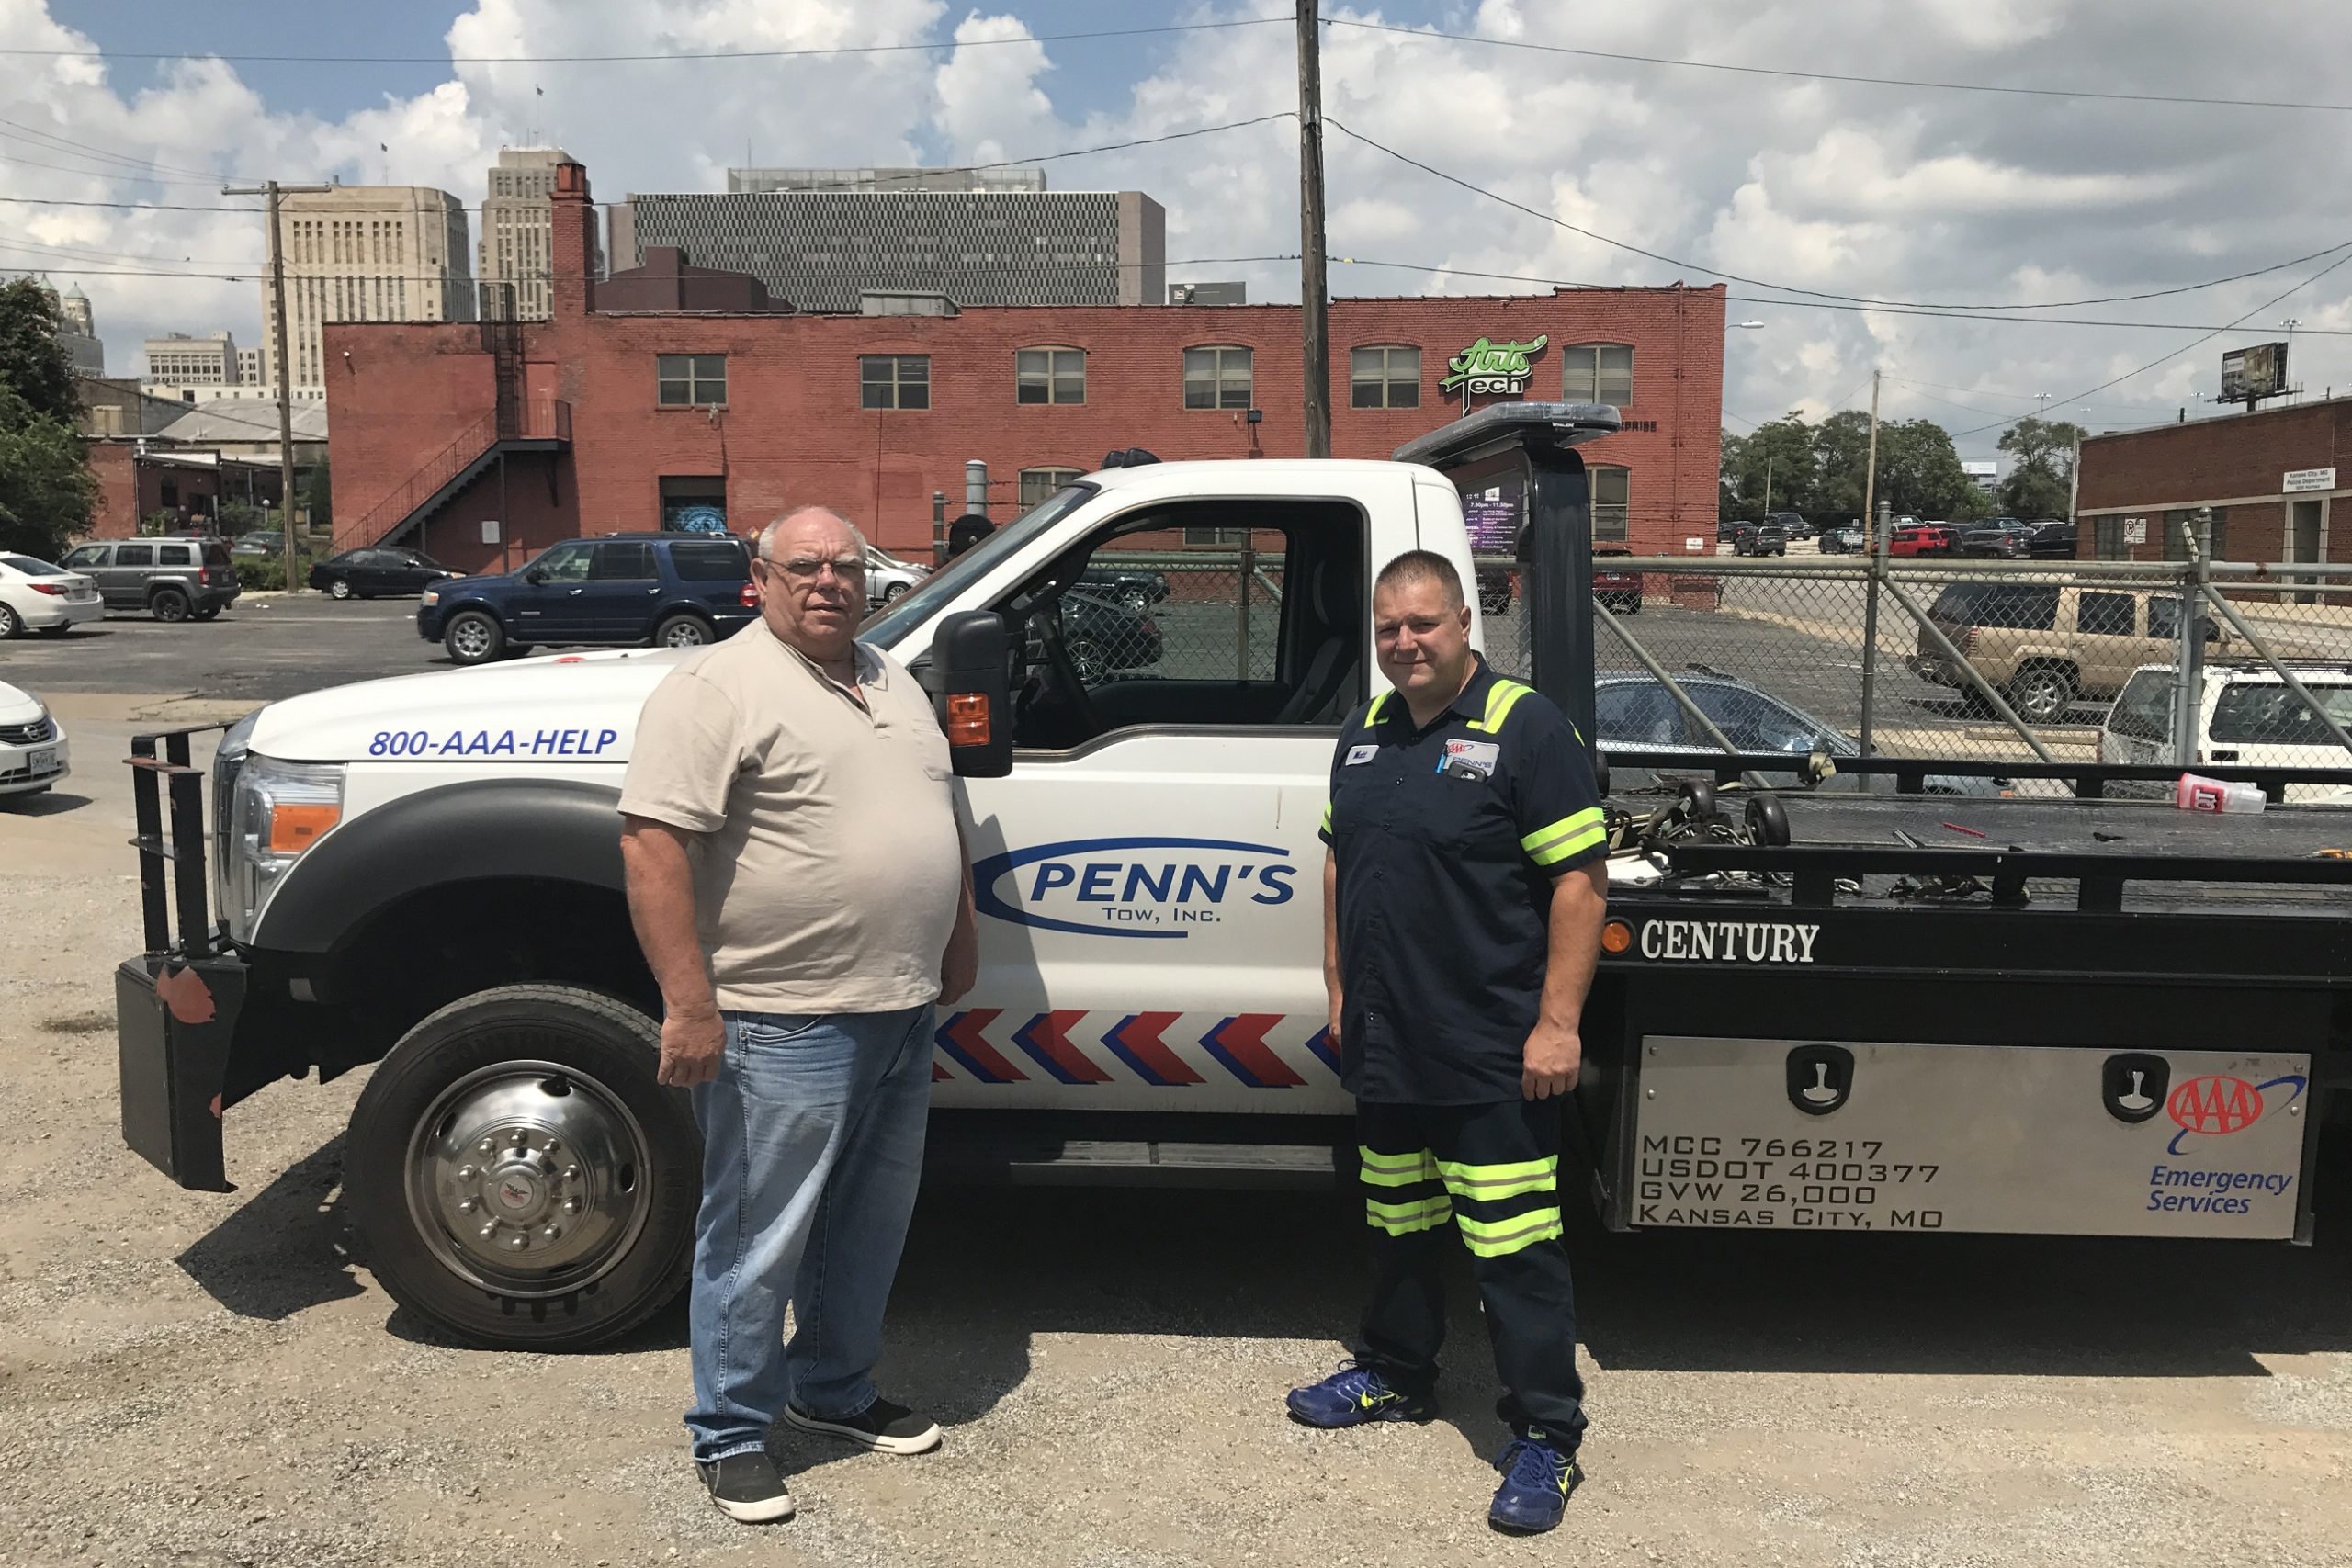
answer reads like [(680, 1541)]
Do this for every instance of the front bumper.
[(175, 1021), (16, 769)]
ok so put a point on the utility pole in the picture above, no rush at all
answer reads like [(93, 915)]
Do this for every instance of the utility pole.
[(1768, 486), (273, 190), (1313, 307), (1870, 470)]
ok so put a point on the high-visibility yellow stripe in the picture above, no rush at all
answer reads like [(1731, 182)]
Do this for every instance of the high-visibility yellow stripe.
[(1576, 846), (1477, 1180), (1326, 815), (1403, 1219), (1395, 1171), (1499, 1238), (1372, 713), (1576, 824), (1501, 697)]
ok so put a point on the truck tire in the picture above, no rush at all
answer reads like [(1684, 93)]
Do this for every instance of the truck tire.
[(168, 605), (473, 637), (516, 1177), (682, 631), (206, 611), (339, 588), (2041, 694)]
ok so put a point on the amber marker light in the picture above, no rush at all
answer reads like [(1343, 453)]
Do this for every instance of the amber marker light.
[(967, 719), (1616, 937), (296, 826)]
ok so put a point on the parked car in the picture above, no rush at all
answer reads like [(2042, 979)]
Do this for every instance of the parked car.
[(1998, 538), (1618, 589), (1103, 639), (664, 590), (1923, 539), (1846, 541), (1727, 528), (1135, 587), (1758, 539), (2043, 645), (2051, 541), (33, 750), (2249, 716), (887, 576), (259, 543), (1634, 711), (363, 574), (36, 596), (1793, 524), (172, 580)]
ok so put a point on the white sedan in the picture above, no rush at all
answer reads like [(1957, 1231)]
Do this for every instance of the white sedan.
[(887, 576), (44, 598), (32, 748)]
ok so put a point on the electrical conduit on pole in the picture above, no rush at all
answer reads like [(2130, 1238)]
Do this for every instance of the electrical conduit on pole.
[(1874, 535)]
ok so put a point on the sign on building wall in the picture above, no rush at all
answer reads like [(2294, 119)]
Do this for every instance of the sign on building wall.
[(2307, 478), (2135, 530), (1492, 368)]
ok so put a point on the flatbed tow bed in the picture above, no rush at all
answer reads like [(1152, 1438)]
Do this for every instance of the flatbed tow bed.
[(2170, 992)]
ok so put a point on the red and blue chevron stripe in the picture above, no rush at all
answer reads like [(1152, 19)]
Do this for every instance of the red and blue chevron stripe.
[(962, 1039), (1136, 1041), (1045, 1038), (1239, 1045)]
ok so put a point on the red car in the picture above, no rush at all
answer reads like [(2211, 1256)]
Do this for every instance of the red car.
[(1620, 590), (1923, 539)]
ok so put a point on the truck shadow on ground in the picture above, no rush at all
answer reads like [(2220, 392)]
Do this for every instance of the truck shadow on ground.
[(988, 1268), (52, 803)]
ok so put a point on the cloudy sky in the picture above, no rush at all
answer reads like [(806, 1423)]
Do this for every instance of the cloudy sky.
[(1916, 193)]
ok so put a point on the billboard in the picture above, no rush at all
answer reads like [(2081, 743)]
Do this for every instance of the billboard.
[(2249, 375)]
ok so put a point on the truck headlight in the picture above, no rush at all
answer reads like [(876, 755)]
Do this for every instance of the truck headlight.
[(277, 811), (433, 596)]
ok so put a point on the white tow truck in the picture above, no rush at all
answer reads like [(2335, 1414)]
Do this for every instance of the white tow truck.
[(1810, 1015)]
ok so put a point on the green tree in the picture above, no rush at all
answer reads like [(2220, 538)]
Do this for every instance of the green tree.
[(318, 494), (2041, 483), (1918, 471), (1779, 453), (1841, 452), (33, 363), (47, 493)]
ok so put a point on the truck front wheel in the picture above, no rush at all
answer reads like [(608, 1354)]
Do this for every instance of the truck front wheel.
[(517, 1178)]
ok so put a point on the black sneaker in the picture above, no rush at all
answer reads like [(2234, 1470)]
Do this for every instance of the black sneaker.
[(747, 1487), (882, 1426)]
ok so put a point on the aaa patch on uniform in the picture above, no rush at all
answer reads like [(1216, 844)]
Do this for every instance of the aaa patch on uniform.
[(1471, 759)]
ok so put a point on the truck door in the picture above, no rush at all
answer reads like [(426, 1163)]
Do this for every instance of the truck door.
[(549, 594), (1149, 877), (624, 585)]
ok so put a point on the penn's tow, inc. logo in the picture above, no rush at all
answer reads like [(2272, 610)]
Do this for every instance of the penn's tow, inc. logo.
[(1487, 367), (1132, 887)]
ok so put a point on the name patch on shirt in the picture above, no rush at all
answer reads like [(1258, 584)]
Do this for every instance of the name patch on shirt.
[(1470, 759), (1363, 753)]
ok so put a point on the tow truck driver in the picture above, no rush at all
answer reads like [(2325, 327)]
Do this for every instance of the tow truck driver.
[(1463, 896)]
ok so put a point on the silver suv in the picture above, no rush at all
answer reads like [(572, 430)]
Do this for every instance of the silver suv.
[(172, 579)]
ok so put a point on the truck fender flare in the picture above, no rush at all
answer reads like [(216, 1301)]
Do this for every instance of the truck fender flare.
[(549, 830)]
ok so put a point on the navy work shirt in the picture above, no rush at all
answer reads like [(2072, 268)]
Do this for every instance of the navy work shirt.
[(1448, 840)]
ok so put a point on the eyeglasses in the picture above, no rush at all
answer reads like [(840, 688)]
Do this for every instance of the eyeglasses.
[(807, 569)]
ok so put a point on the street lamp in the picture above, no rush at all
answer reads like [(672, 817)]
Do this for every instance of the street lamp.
[(1747, 326)]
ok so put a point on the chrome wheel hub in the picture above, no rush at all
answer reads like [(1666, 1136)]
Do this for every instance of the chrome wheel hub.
[(472, 639), (527, 1179)]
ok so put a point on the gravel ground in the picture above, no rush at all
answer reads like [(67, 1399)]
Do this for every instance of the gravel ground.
[(214, 1379)]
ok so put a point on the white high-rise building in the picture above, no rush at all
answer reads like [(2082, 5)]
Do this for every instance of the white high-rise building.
[(518, 230), (366, 254)]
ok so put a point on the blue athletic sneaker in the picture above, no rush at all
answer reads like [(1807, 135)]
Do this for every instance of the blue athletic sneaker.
[(1537, 1479), (1353, 1395)]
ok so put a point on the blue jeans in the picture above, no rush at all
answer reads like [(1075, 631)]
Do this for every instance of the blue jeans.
[(812, 1148)]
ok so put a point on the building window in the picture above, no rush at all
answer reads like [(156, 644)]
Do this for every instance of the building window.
[(692, 380), (894, 380), (1612, 500), (2181, 523), (1039, 484), (1050, 375), (1218, 378), (1384, 377), (1598, 373)]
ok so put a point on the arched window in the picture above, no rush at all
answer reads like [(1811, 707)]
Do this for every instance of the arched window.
[(1218, 376), (1598, 373), (1611, 501), (1050, 375), (1384, 376)]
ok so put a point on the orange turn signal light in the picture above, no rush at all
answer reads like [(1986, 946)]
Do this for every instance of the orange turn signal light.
[(296, 826), (1616, 936), (967, 719)]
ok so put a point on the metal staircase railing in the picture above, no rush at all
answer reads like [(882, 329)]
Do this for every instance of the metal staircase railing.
[(539, 419)]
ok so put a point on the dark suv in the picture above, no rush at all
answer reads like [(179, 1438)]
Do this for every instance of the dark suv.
[(172, 580), (626, 590)]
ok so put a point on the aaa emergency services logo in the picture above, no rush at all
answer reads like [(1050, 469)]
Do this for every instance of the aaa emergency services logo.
[(2215, 1105)]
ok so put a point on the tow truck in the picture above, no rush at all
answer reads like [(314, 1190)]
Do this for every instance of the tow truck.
[(1816, 1010)]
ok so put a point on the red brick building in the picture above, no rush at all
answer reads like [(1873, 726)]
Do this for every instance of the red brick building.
[(601, 419), (2270, 479), (134, 485)]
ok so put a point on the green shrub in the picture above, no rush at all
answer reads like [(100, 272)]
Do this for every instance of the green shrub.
[(261, 574)]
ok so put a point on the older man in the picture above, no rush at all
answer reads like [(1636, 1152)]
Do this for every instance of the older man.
[(1457, 990), (797, 882)]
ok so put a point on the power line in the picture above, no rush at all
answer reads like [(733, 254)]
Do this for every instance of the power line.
[(1913, 305), (90, 150), (2176, 353), (467, 280), (636, 58), (1866, 307), (1840, 76), (98, 174)]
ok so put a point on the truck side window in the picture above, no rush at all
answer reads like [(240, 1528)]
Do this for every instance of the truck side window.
[(1199, 614), (2106, 615)]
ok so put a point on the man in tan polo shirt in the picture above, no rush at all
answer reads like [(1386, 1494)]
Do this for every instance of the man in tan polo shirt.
[(797, 882)]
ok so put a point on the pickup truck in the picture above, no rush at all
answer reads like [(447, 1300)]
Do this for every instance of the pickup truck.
[(1816, 1010)]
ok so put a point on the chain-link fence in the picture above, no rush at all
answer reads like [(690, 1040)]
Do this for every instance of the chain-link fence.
[(2027, 661), (1208, 615)]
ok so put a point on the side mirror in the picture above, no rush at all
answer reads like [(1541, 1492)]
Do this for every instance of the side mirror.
[(966, 677), (535, 576)]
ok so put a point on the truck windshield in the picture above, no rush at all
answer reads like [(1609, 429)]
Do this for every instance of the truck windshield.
[(916, 605)]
